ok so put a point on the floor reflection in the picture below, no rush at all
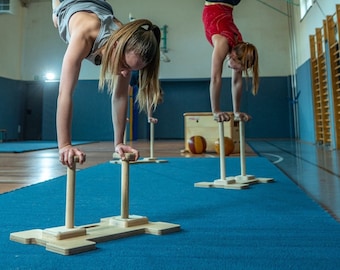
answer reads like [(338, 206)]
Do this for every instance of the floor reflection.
[(313, 168)]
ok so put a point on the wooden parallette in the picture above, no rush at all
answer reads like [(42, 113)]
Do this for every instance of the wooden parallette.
[(70, 239), (241, 181)]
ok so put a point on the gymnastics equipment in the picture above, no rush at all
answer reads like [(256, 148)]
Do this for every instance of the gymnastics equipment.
[(203, 124), (70, 239), (197, 144), (223, 181), (244, 177), (152, 158), (228, 146), (125, 135), (234, 182)]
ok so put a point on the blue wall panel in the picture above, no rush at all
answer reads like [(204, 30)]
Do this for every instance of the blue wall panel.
[(180, 96), (12, 107), (270, 109), (305, 102), (91, 112), (50, 95)]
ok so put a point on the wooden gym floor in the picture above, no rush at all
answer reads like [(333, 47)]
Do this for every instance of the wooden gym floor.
[(314, 169), (24, 169)]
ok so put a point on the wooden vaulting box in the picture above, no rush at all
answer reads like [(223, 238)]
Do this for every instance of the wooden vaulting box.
[(203, 124)]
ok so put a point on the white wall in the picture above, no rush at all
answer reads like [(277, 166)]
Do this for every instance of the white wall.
[(264, 25), (306, 26), (43, 49), (11, 36)]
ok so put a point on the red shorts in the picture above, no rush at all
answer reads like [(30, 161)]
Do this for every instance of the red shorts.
[(218, 19)]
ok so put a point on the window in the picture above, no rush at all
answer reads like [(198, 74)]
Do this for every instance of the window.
[(304, 6), (5, 6)]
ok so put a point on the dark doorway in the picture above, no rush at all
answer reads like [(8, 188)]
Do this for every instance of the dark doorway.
[(33, 111)]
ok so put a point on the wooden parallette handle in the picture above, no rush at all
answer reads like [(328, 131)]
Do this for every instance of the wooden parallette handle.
[(128, 156), (237, 118)]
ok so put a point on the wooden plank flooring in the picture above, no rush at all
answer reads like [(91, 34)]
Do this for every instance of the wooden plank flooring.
[(314, 169), (22, 169)]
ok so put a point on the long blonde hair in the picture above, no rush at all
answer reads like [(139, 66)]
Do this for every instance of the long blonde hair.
[(143, 38), (247, 54)]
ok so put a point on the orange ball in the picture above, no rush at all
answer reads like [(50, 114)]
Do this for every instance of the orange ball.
[(197, 144), (228, 146)]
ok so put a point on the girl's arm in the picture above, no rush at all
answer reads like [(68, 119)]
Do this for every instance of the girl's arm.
[(237, 96), (77, 50), (219, 54), (119, 105)]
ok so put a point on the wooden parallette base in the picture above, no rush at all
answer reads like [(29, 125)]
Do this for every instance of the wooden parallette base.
[(251, 179), (227, 183), (117, 160), (246, 179), (151, 160), (237, 182), (84, 238), (265, 180)]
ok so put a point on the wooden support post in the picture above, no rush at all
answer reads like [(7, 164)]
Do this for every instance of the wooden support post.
[(243, 178), (125, 185), (152, 137), (242, 148), (222, 151), (125, 189), (223, 181), (151, 158), (70, 195), (125, 134)]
